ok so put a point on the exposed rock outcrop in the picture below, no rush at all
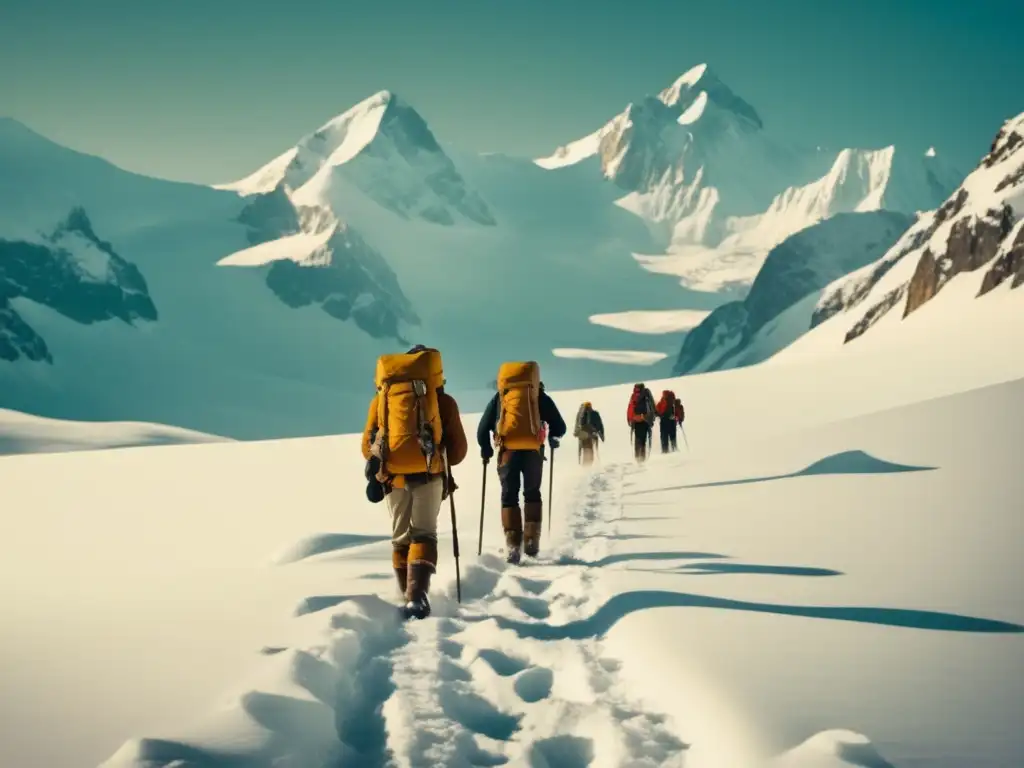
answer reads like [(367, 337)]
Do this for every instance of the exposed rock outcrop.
[(75, 273)]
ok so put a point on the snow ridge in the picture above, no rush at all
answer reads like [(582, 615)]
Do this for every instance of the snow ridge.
[(978, 225)]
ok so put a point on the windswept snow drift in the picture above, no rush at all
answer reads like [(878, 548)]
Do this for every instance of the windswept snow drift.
[(652, 321), (24, 433), (633, 357), (874, 559)]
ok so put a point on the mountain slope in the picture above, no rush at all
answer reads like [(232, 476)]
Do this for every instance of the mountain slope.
[(747, 332), (114, 304), (974, 240), (721, 191), (514, 236), (75, 273)]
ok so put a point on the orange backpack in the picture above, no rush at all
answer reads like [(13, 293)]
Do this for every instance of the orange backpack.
[(518, 425), (408, 439)]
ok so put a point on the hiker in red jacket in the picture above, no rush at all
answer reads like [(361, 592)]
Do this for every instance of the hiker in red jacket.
[(640, 415), (670, 416)]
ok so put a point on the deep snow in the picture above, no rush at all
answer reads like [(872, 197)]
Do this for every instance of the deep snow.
[(834, 562)]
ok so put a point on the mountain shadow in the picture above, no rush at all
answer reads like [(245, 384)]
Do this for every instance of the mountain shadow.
[(622, 605), (845, 463)]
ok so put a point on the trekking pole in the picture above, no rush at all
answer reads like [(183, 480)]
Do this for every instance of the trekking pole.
[(685, 441), (483, 503), (551, 486), (455, 530)]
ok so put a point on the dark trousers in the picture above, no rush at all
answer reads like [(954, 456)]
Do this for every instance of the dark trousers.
[(667, 429), (641, 434), (520, 469)]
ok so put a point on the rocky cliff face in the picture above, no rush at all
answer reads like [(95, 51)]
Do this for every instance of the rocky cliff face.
[(346, 277), (72, 271), (798, 267), (979, 227)]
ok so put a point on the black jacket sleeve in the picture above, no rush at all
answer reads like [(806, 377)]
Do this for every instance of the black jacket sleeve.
[(598, 424), (487, 424), (549, 413)]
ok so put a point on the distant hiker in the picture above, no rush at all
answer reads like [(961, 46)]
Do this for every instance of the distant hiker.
[(515, 415), (670, 416), (640, 415), (413, 437), (587, 430)]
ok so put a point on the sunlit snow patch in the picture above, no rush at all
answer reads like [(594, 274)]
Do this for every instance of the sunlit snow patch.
[(295, 247), (623, 356), (652, 322)]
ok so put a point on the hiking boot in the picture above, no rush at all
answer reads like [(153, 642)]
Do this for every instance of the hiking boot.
[(400, 563), (512, 523), (417, 609), (417, 605), (533, 512), (531, 539)]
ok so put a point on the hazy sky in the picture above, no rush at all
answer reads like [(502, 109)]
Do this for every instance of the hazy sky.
[(208, 90)]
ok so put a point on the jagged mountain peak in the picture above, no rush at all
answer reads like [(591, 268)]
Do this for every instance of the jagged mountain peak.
[(699, 86), (696, 103), (339, 140)]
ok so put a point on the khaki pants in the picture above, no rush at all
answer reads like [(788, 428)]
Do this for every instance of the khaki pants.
[(414, 512)]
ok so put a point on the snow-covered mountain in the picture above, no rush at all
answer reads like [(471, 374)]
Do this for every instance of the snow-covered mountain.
[(699, 164), (492, 251), (258, 311), (749, 331), (383, 147), (970, 246), (114, 304), (75, 273)]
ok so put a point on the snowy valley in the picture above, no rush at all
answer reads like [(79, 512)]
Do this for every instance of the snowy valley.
[(251, 309), (825, 577)]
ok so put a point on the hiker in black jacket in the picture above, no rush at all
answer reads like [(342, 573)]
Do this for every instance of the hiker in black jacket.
[(521, 465), (588, 429)]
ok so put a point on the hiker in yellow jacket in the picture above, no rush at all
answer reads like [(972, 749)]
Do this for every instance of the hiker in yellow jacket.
[(413, 436)]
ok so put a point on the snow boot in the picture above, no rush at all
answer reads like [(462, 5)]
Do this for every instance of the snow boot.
[(400, 563), (418, 605), (512, 523), (533, 512)]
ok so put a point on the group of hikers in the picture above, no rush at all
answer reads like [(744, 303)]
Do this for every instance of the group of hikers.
[(414, 436)]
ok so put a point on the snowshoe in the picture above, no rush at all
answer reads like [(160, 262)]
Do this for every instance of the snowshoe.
[(513, 556)]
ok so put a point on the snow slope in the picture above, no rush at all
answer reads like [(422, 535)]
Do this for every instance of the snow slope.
[(827, 577), (24, 433)]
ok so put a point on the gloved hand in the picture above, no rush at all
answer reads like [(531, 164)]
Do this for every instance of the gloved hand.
[(486, 453), (553, 442)]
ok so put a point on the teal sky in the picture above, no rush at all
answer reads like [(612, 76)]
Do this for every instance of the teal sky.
[(208, 90)]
